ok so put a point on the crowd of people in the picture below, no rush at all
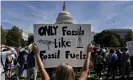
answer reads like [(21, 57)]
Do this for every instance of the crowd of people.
[(20, 61), (112, 61), (28, 60)]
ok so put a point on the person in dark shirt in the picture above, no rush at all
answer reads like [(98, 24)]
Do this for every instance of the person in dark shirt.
[(94, 55), (119, 60), (22, 61), (125, 64), (99, 64), (32, 71), (131, 60)]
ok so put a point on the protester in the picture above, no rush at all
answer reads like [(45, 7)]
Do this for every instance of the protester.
[(31, 65), (93, 57), (22, 60), (27, 59), (8, 66), (99, 64), (64, 71), (8, 60), (119, 61), (17, 49), (112, 60), (125, 63), (131, 61), (6, 52), (104, 54)]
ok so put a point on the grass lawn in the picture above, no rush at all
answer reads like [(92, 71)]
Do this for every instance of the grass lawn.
[(92, 76)]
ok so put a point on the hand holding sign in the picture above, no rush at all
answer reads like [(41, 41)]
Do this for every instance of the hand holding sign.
[(35, 48), (90, 48)]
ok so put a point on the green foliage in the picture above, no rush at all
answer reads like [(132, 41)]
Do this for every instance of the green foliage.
[(14, 36), (129, 36), (114, 41), (107, 39), (3, 36), (23, 43)]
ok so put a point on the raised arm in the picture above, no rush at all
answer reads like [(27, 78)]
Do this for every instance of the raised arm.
[(41, 67), (86, 64)]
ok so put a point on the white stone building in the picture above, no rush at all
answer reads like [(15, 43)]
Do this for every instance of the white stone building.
[(120, 32), (25, 35), (64, 17)]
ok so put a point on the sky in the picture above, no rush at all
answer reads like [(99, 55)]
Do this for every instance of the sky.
[(100, 14)]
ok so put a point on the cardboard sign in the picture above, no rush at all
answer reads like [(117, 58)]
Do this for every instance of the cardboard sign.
[(62, 43), (130, 47)]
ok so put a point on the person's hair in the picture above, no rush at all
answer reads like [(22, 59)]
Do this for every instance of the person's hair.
[(9, 58), (117, 51), (112, 51), (65, 72), (94, 49), (122, 49), (125, 49), (30, 39), (99, 52)]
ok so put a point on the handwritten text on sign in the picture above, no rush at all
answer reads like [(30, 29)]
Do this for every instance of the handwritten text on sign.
[(62, 43)]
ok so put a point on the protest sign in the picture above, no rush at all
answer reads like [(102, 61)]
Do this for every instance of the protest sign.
[(130, 47), (62, 43)]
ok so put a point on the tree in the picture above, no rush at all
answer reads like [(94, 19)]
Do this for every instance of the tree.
[(23, 43), (123, 42), (114, 41), (107, 39), (129, 36), (3, 36), (14, 36)]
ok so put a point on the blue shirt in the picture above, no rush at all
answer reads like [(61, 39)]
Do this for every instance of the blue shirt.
[(112, 56)]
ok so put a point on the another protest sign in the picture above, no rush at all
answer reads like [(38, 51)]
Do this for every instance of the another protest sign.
[(130, 47)]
